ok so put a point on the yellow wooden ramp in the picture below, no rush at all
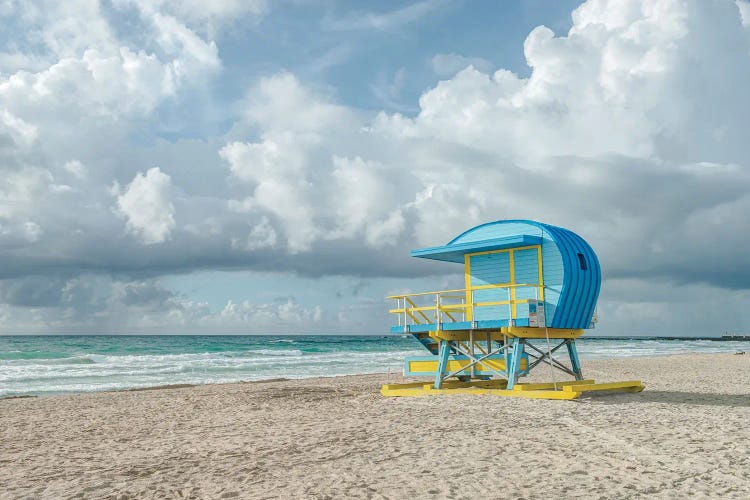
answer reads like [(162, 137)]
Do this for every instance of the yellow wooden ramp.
[(546, 390)]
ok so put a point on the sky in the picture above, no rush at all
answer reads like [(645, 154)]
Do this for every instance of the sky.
[(242, 166)]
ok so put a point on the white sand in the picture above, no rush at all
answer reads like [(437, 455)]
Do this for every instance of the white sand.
[(687, 434)]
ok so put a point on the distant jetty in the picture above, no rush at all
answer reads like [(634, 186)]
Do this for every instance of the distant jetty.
[(725, 337), (734, 336)]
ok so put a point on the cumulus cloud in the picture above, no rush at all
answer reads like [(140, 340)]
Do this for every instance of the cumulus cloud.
[(261, 235), (71, 124), (629, 129), (207, 15), (384, 20), (91, 303), (88, 72), (744, 7), (295, 175), (273, 315), (33, 291), (76, 168), (146, 205), (629, 111), (450, 64), (365, 197), (20, 132)]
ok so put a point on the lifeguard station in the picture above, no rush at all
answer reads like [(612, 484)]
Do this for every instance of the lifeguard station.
[(530, 292)]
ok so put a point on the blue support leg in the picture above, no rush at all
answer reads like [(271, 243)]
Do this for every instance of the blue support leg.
[(515, 362), (506, 354), (575, 363), (443, 355)]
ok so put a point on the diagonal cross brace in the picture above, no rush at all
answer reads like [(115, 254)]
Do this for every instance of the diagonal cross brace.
[(475, 360), (548, 355)]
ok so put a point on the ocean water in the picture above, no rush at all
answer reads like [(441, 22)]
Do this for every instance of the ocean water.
[(40, 365)]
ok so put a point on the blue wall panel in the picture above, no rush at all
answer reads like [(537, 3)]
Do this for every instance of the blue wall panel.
[(489, 269), (526, 271), (553, 273), (490, 295), (490, 312)]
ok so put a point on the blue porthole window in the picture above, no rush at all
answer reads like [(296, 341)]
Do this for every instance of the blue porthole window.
[(582, 262)]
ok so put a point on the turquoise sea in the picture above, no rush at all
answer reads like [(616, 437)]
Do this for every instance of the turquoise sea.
[(39, 365)]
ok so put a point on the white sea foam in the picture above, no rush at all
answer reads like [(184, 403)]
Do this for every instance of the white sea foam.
[(275, 352), (81, 372), (107, 372)]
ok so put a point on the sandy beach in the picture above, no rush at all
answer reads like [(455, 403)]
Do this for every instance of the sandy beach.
[(688, 434)]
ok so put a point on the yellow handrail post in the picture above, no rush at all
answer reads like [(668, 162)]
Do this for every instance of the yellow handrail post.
[(510, 308), (415, 309), (471, 293), (437, 310)]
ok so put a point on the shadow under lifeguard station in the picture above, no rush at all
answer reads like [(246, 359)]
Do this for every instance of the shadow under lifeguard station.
[(530, 292), (684, 398)]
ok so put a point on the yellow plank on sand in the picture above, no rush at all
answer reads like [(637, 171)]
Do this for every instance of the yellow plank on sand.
[(549, 385), (628, 386), (398, 390), (451, 384)]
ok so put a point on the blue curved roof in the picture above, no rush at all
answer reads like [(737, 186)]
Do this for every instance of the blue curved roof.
[(580, 287)]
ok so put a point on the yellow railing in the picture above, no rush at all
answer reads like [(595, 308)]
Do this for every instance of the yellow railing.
[(455, 305)]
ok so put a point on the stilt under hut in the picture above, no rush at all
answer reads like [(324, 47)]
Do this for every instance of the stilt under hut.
[(530, 292)]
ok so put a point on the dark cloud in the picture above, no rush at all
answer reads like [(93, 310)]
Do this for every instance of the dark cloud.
[(144, 294), (32, 291), (638, 143)]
